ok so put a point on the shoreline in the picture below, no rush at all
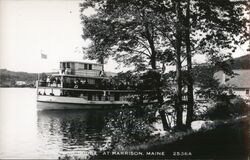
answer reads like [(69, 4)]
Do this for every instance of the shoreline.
[(169, 146), (16, 87)]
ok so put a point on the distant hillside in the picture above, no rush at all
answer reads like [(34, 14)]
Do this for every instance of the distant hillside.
[(9, 78), (17, 76), (242, 62)]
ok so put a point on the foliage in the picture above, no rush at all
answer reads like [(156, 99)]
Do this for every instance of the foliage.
[(150, 84), (208, 86), (239, 106), (227, 107), (128, 79), (144, 33), (126, 30), (221, 22), (204, 79), (129, 126)]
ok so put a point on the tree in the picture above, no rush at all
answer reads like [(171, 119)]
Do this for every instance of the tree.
[(142, 32), (125, 31), (220, 24), (128, 32), (178, 44)]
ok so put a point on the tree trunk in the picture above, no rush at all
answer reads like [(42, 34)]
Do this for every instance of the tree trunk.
[(153, 60), (152, 48), (164, 120), (153, 65), (189, 69), (101, 60), (178, 104)]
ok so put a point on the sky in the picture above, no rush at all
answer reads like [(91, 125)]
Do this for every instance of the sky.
[(31, 27)]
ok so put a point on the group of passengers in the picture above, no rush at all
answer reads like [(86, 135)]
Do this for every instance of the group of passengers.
[(77, 83), (53, 81), (99, 84), (50, 82)]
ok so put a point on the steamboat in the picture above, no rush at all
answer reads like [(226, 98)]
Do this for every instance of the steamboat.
[(80, 85)]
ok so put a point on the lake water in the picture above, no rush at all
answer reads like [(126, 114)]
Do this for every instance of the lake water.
[(28, 133)]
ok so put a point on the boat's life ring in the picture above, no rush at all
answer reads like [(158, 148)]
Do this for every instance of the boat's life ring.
[(76, 86)]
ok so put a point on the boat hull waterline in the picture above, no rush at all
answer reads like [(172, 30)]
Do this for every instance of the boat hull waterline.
[(55, 102)]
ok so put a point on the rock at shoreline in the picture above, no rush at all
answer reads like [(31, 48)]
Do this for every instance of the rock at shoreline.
[(197, 125)]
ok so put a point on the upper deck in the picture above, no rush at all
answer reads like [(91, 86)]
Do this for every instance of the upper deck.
[(81, 69)]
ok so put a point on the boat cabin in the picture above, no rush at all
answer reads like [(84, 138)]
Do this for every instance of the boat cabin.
[(79, 75), (81, 69)]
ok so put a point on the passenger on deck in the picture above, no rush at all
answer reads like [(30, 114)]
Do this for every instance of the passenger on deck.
[(48, 81), (81, 95), (58, 82), (82, 84), (78, 83), (86, 84), (52, 80), (67, 71)]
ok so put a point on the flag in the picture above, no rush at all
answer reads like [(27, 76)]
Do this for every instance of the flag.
[(43, 56)]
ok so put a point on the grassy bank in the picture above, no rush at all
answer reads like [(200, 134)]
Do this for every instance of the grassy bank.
[(228, 139)]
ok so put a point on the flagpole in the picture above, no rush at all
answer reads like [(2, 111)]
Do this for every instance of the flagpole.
[(42, 56), (37, 83)]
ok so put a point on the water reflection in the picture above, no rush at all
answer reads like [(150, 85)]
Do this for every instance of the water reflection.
[(26, 133), (71, 132)]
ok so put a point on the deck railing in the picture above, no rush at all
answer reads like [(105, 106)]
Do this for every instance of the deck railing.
[(105, 86)]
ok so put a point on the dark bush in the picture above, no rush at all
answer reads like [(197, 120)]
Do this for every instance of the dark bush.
[(239, 107), (220, 111), (127, 127), (227, 109)]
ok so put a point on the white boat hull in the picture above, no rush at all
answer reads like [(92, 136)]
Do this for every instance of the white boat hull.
[(45, 102)]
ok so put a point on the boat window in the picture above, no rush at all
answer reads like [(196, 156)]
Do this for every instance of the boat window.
[(68, 65), (91, 81), (85, 66), (90, 66), (63, 65)]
